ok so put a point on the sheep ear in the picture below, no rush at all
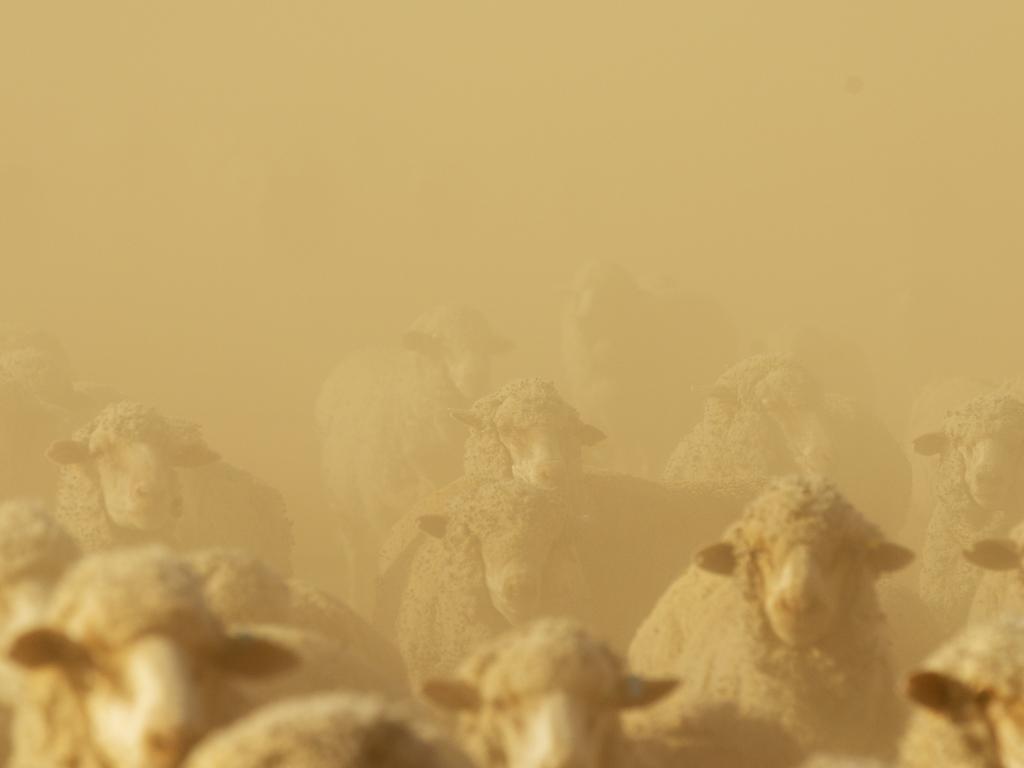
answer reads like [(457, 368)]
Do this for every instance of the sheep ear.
[(417, 341), (591, 435), (501, 346), (68, 452), (938, 692), (433, 525), (453, 695), (468, 418), (930, 444), (45, 647), (719, 558), (994, 555), (247, 655), (887, 557), (194, 455), (635, 692)]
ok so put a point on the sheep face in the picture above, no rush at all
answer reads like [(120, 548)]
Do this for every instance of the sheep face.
[(995, 721), (548, 728), (546, 450), (140, 487), (146, 704)]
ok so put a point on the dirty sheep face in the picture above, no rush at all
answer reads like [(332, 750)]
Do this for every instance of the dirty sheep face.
[(144, 704), (136, 471), (544, 705), (804, 569), (984, 442), (521, 541), (540, 436), (976, 685), (460, 340)]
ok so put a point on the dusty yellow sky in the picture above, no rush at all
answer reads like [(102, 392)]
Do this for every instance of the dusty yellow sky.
[(211, 201)]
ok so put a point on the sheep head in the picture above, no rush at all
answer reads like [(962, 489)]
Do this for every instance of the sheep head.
[(976, 681), (983, 443), (129, 640), (530, 433), (133, 452), (801, 552), (521, 537), (547, 695), (788, 398), (460, 340)]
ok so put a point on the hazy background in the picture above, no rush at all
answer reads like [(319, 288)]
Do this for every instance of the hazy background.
[(211, 202)]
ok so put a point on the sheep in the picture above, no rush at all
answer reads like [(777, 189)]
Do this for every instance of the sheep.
[(341, 730), (132, 474), (499, 554), (241, 590), (768, 416), (979, 452), (631, 534), (631, 357), (776, 632), (386, 435), (129, 667), (927, 413), (545, 694), (968, 696)]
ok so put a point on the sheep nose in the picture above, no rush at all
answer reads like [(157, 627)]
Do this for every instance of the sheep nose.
[(800, 604), (550, 473), (144, 490)]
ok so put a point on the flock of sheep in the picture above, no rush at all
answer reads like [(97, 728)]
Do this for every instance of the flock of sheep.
[(727, 562)]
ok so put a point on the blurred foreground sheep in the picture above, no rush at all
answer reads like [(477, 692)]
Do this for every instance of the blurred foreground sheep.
[(768, 416), (547, 694), (387, 438), (776, 634), (335, 731), (969, 695), (632, 359), (129, 667), (133, 475)]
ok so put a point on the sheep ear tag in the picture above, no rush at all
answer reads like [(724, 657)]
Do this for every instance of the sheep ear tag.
[(887, 557), (930, 444), (42, 647), (452, 694), (68, 452), (719, 558), (994, 555), (938, 692), (635, 692)]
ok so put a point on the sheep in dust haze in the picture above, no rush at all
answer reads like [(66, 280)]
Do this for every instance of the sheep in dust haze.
[(768, 416), (501, 554), (980, 450), (342, 730), (632, 358), (243, 591), (387, 439), (631, 535), (546, 694), (133, 475), (129, 668), (776, 632), (969, 696)]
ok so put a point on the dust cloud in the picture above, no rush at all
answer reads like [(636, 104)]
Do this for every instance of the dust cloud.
[(211, 203)]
